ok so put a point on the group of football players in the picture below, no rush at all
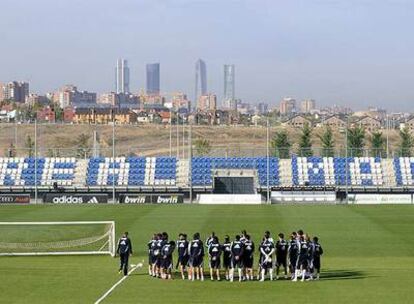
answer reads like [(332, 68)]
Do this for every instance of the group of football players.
[(300, 256)]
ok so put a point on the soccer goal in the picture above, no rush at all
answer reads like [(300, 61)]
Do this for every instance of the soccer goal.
[(57, 238)]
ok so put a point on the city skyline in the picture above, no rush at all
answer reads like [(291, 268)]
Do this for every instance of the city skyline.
[(353, 53)]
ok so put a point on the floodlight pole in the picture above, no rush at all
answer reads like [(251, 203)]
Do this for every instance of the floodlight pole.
[(388, 130), (113, 156), (15, 134), (178, 135), (170, 133), (35, 155), (183, 138), (190, 157), (268, 164), (346, 160)]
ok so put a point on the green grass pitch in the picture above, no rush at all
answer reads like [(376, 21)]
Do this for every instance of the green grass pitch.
[(369, 255)]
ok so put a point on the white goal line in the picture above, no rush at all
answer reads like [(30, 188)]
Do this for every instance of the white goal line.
[(108, 292), (55, 253), (59, 223)]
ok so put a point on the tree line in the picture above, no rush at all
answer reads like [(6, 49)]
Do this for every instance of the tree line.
[(356, 141)]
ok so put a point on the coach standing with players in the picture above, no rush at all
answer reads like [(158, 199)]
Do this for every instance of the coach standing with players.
[(124, 250)]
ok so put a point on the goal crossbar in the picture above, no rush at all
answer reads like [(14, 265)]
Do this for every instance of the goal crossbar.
[(110, 234)]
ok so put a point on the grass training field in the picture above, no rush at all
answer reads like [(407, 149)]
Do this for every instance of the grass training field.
[(368, 255)]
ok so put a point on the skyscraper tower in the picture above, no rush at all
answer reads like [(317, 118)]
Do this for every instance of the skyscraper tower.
[(122, 77), (153, 78), (200, 80), (229, 87)]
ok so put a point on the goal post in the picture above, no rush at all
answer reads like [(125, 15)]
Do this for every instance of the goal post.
[(57, 238)]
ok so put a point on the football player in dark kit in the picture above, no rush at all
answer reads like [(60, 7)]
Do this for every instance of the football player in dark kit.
[(207, 244), (124, 250), (259, 268), (226, 249), (281, 255), (214, 252), (151, 258), (317, 251), (167, 260), (156, 255), (162, 240), (302, 263), (248, 257), (293, 254), (196, 250), (182, 248), (237, 249), (267, 250), (210, 239), (243, 236)]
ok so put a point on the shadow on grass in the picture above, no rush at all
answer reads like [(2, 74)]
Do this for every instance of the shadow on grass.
[(329, 275), (342, 274), (139, 274)]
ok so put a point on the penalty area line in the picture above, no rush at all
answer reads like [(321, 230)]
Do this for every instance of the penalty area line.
[(117, 284)]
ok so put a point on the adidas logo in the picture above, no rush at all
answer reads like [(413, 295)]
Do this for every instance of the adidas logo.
[(93, 200)]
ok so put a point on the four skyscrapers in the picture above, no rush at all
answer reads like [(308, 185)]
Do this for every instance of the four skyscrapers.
[(153, 81)]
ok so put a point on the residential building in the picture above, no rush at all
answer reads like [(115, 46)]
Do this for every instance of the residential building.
[(104, 116), (120, 100), (149, 100), (111, 98), (69, 95), (262, 108), (179, 101), (297, 121), (307, 106), (46, 114), (335, 122), (368, 123), (15, 91), (33, 99), (68, 114), (243, 107), (207, 103), (408, 123), (287, 106)]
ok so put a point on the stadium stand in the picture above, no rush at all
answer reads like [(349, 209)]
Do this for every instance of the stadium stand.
[(132, 171), (202, 168), (200, 171)]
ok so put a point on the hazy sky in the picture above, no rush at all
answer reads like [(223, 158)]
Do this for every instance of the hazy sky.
[(350, 52)]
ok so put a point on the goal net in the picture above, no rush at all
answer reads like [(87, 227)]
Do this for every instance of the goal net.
[(57, 238)]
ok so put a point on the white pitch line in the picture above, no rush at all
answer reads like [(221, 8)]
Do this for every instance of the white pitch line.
[(116, 284)]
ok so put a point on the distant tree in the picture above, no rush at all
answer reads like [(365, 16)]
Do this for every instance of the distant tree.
[(406, 142), (377, 144), (131, 154), (245, 120), (29, 146), (202, 146), (281, 145), (11, 151), (83, 149), (58, 112), (50, 153), (305, 142), (328, 142), (356, 141)]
